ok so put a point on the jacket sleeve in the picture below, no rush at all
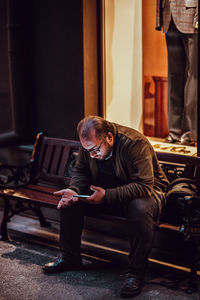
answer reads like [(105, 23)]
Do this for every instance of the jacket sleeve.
[(137, 163), (193, 4), (80, 181)]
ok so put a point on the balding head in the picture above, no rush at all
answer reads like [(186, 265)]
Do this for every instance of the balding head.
[(93, 124)]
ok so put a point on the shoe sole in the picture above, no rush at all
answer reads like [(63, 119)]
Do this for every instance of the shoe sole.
[(49, 270)]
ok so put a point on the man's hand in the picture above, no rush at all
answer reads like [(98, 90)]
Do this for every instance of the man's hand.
[(67, 198), (97, 197)]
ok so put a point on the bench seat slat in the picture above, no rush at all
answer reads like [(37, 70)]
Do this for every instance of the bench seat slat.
[(40, 188), (29, 194), (167, 226)]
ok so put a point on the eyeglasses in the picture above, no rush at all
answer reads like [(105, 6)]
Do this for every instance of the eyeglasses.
[(94, 149)]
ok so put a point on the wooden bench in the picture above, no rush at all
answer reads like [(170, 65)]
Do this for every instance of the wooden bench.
[(31, 187)]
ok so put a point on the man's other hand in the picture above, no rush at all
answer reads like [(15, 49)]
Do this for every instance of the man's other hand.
[(97, 197), (67, 198)]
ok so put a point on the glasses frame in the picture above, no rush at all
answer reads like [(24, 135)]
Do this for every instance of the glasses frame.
[(96, 149)]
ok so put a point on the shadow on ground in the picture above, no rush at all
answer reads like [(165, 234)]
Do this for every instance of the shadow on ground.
[(22, 277)]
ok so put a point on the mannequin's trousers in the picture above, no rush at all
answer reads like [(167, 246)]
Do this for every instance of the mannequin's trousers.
[(182, 82)]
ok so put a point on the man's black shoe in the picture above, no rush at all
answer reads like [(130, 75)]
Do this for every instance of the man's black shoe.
[(131, 287), (61, 265)]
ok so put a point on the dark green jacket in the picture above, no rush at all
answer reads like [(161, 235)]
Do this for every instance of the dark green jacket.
[(135, 163)]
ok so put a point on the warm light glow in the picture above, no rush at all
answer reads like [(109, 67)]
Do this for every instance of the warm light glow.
[(123, 61)]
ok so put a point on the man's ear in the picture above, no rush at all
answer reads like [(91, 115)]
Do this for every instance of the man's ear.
[(110, 137)]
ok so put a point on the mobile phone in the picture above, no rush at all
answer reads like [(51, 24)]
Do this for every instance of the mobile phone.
[(81, 196)]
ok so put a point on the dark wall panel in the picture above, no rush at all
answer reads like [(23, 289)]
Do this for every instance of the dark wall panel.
[(20, 73), (41, 67), (5, 105), (57, 50)]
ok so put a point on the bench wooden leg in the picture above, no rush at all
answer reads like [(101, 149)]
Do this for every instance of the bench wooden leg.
[(192, 287), (4, 233), (43, 222)]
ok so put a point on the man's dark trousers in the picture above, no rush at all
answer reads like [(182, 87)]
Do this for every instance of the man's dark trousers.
[(139, 214)]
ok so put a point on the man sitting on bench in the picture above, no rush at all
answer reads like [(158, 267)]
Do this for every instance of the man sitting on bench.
[(118, 169)]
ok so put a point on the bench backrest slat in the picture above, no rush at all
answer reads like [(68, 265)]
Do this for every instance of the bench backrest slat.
[(56, 159), (46, 162), (63, 160)]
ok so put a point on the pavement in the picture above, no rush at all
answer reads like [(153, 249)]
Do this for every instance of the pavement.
[(22, 278)]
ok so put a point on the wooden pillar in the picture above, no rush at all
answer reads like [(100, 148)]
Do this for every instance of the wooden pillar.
[(90, 57), (161, 116)]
